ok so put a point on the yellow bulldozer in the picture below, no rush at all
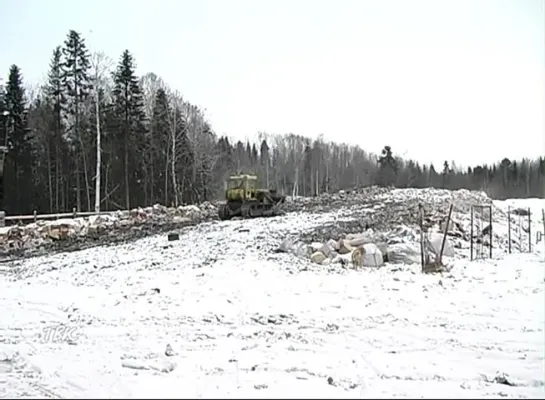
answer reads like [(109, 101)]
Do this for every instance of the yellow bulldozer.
[(244, 200)]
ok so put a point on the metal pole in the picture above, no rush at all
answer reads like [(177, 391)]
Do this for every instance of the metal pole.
[(471, 235), (529, 230), (509, 227), (490, 221)]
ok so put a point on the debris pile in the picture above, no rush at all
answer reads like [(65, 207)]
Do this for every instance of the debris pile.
[(76, 233), (370, 248), (384, 226), (374, 197), (374, 225)]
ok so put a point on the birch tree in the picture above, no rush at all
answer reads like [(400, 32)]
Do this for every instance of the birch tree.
[(176, 127)]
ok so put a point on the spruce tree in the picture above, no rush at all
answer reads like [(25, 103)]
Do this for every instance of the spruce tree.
[(3, 137), (387, 167), (159, 135), (19, 158), (307, 170), (55, 95), (186, 161), (130, 113), (265, 161), (77, 87)]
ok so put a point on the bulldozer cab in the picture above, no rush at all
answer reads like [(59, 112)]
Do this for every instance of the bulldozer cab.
[(243, 186)]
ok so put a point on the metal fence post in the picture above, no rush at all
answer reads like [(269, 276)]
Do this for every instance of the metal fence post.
[(529, 230), (490, 221), (421, 218), (471, 235), (543, 220), (445, 235), (509, 227)]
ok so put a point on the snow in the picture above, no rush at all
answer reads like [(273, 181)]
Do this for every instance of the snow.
[(534, 204), (243, 321)]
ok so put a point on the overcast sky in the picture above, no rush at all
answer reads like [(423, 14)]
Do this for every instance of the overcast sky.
[(460, 80)]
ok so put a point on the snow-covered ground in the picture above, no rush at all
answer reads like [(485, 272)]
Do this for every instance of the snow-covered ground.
[(242, 321)]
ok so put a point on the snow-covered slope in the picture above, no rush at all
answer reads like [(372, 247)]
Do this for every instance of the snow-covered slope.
[(218, 314)]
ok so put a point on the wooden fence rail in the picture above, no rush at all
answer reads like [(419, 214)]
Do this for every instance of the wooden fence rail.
[(35, 216)]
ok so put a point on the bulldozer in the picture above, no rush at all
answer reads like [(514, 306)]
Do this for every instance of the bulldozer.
[(244, 200)]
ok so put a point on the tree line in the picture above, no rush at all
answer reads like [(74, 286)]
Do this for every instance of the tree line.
[(95, 136)]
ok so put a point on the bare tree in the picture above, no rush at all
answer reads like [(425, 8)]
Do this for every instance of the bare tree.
[(101, 64), (32, 91), (176, 126), (150, 83)]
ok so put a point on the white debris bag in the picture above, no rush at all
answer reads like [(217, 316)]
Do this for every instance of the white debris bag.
[(403, 253), (372, 256), (436, 239)]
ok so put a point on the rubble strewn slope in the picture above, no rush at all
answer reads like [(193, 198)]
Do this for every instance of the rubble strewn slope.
[(379, 209), (77, 233)]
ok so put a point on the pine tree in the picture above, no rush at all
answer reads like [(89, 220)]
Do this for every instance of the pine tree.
[(19, 186), (55, 94), (265, 160), (77, 87), (130, 112), (387, 167), (255, 156), (186, 161), (3, 137), (307, 169), (3, 115), (159, 135)]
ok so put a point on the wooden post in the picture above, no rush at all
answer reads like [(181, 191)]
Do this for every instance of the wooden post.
[(421, 217), (3, 152), (471, 235), (35, 216), (529, 230), (509, 227), (445, 235), (490, 222), (543, 220), (521, 250)]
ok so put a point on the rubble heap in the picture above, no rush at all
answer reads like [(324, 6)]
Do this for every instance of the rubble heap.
[(387, 218), (76, 233), (391, 206), (370, 248), (384, 225), (385, 210)]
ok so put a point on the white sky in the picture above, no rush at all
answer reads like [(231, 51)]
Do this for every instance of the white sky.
[(461, 80)]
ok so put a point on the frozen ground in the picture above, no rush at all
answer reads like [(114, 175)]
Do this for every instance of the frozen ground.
[(241, 321)]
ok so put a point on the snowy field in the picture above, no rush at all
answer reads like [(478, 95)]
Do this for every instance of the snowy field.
[(219, 314)]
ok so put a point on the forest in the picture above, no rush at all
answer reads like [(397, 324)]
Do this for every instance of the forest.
[(95, 136)]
